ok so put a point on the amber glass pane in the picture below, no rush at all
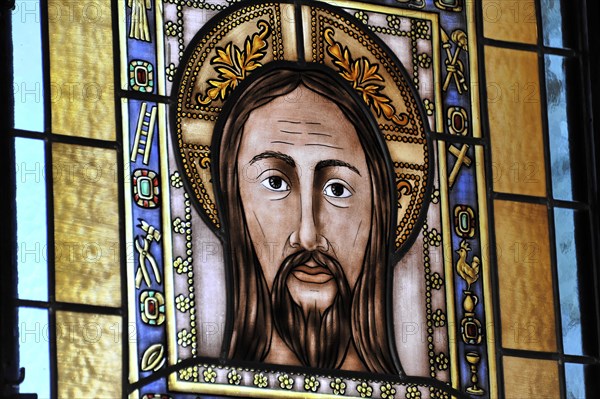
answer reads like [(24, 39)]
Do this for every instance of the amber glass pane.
[(530, 378), (525, 276), (86, 225), (510, 20), (81, 68), (515, 121), (88, 354)]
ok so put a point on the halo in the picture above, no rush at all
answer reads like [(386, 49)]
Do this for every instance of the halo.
[(245, 38)]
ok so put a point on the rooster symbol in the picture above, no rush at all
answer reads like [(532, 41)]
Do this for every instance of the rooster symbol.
[(469, 272)]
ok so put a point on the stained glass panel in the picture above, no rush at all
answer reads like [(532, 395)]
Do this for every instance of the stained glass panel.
[(89, 355), (552, 20), (34, 344), (515, 121), (32, 241), (558, 17), (525, 276), (568, 256), (86, 225), (27, 60), (183, 289), (510, 20), (565, 121), (575, 382), (558, 127), (531, 378), (81, 71)]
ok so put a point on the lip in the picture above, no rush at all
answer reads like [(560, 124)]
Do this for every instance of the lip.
[(312, 274)]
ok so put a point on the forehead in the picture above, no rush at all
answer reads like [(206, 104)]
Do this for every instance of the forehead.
[(303, 105), (305, 125)]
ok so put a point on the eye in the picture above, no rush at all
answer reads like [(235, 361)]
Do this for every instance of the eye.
[(336, 189), (275, 183)]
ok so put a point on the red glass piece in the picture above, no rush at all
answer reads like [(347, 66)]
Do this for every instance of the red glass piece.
[(141, 76)]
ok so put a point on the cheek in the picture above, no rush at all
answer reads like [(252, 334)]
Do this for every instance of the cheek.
[(269, 225), (348, 232)]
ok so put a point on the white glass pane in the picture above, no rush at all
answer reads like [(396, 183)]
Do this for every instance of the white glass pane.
[(568, 283), (34, 351), (574, 378), (27, 53), (558, 128), (552, 22), (31, 219)]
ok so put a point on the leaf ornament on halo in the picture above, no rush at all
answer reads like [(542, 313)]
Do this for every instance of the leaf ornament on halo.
[(234, 64), (364, 77)]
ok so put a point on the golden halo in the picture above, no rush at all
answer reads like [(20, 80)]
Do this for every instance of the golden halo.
[(250, 36)]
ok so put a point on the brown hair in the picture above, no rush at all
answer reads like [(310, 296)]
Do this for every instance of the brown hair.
[(251, 324)]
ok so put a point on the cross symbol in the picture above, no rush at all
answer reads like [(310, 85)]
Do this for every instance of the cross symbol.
[(461, 159)]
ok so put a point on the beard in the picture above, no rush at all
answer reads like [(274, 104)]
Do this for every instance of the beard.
[(318, 337)]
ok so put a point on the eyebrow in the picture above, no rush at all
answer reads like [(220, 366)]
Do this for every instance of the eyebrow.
[(274, 154), (335, 162)]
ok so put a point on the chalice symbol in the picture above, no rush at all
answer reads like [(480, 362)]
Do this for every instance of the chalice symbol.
[(473, 359)]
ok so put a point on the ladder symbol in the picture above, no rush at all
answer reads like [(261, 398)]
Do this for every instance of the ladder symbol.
[(142, 143)]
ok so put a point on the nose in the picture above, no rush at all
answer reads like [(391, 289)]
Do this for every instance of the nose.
[(307, 235)]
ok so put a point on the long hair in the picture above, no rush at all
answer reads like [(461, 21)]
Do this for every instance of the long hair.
[(252, 324)]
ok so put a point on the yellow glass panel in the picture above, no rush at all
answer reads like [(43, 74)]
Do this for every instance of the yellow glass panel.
[(510, 20), (86, 225), (530, 378), (88, 351), (525, 276), (515, 121), (81, 68)]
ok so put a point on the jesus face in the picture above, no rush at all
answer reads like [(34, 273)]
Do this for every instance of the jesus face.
[(305, 187)]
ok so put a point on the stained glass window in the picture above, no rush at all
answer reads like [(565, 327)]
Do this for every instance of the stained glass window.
[(302, 198)]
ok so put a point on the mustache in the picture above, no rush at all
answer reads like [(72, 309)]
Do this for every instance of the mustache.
[(321, 259)]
